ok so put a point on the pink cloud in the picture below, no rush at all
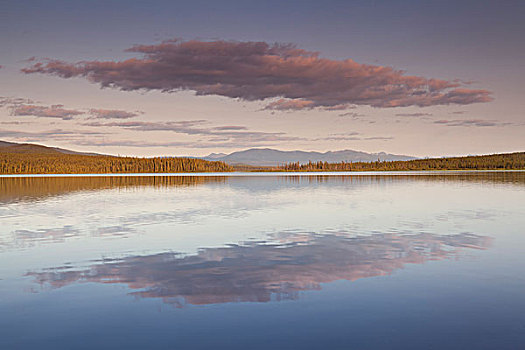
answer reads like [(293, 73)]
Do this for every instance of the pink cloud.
[(256, 71)]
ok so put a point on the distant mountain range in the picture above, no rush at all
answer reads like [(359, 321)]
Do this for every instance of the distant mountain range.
[(273, 157)]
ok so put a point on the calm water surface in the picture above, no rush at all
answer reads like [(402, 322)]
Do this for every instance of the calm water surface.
[(368, 261)]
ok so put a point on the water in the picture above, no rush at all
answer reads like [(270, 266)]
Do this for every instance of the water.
[(268, 261)]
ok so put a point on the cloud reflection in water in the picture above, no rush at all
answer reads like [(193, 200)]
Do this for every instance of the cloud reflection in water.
[(265, 271)]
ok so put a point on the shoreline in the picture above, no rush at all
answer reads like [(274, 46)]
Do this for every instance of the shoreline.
[(275, 173)]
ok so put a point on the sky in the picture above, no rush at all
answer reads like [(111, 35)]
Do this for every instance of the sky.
[(156, 78)]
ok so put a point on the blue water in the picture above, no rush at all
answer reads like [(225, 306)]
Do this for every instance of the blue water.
[(265, 261)]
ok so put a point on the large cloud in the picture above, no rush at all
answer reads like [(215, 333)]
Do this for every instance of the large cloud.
[(252, 71)]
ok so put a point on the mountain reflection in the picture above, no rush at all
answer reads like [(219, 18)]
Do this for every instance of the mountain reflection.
[(264, 271)]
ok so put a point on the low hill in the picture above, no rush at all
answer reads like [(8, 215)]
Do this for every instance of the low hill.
[(12, 147), (273, 157)]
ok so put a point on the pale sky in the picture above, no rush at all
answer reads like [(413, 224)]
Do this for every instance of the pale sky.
[(428, 78)]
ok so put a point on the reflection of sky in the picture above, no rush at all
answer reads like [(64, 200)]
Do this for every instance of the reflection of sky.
[(163, 213), (426, 256)]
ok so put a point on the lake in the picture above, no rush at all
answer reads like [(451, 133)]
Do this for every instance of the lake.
[(265, 261)]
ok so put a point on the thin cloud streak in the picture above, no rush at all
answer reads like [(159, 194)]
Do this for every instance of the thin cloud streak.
[(353, 115), (112, 114), (472, 123), (54, 111), (14, 101), (194, 127), (257, 71), (14, 122), (181, 144), (353, 136), (414, 114), (27, 107), (54, 134)]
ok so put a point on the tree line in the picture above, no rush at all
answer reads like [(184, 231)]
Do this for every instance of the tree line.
[(40, 163), (507, 161)]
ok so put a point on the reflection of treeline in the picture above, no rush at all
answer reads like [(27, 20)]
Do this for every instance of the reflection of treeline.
[(16, 188), (20, 163), (488, 162), (484, 177), (31, 188)]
